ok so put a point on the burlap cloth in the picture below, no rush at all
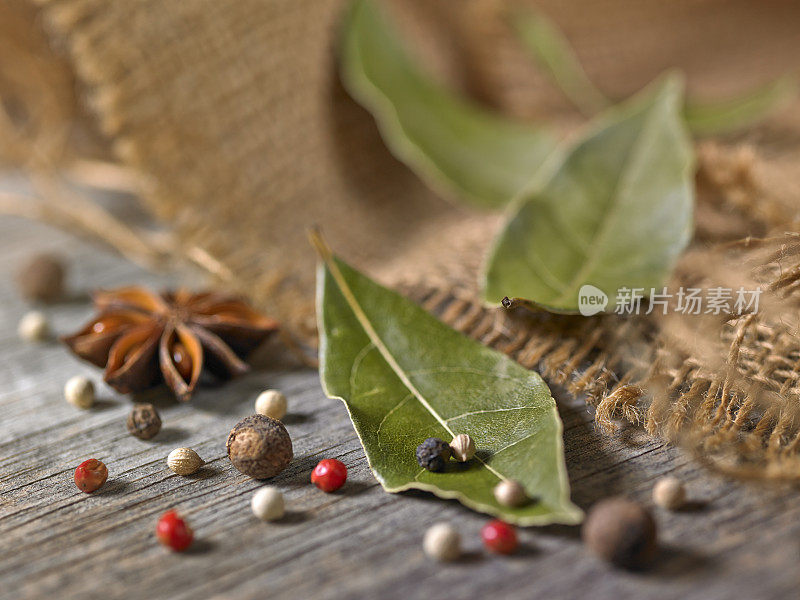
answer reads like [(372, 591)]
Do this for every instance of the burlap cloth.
[(231, 115)]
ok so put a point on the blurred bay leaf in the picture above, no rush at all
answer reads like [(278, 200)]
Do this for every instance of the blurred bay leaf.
[(616, 213), (551, 49), (457, 147), (553, 52), (738, 113), (405, 376)]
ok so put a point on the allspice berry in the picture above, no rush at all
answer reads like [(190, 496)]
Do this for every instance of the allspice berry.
[(621, 532), (462, 447), (510, 493), (42, 278), (669, 493), (184, 461), (259, 446), (143, 421)]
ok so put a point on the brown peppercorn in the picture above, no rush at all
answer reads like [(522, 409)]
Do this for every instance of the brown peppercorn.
[(42, 278), (144, 421), (621, 532), (259, 446)]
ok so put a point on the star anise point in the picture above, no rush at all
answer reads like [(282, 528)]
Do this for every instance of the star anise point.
[(141, 338)]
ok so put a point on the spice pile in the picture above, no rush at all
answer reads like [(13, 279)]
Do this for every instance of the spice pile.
[(142, 339)]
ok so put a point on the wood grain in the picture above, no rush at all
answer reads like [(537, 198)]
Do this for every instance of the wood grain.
[(737, 541)]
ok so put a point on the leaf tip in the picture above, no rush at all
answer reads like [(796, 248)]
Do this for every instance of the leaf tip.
[(317, 240), (672, 84)]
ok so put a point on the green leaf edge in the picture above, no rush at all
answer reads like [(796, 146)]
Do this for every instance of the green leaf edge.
[(614, 114), (539, 34), (737, 113), (568, 517), (551, 49), (394, 134)]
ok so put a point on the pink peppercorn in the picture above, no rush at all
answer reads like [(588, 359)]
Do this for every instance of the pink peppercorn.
[(499, 537), (173, 532), (329, 475), (90, 475)]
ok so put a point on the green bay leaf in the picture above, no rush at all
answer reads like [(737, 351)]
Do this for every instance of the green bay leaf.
[(404, 376), (455, 146), (615, 213)]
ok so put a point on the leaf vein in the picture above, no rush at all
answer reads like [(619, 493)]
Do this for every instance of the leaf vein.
[(389, 414), (514, 443), (469, 370), (357, 364), (494, 410)]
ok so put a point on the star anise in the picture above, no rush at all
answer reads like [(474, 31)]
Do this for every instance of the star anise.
[(142, 338)]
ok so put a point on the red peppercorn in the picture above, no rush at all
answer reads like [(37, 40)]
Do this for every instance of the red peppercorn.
[(329, 475), (173, 532), (499, 537), (90, 475)]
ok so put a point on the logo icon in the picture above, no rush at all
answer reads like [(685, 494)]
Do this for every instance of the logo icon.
[(591, 300)]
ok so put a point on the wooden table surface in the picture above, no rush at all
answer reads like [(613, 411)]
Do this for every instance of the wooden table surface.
[(736, 541)]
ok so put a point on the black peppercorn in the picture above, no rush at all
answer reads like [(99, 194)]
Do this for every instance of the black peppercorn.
[(143, 421), (432, 454)]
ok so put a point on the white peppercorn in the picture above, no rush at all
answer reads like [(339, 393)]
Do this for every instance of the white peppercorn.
[(462, 447), (510, 493), (79, 391), (271, 403), (669, 493), (33, 327), (442, 542), (267, 504), (184, 461)]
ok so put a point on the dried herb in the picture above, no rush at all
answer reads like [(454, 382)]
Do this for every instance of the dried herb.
[(454, 145), (405, 376), (142, 338), (616, 212)]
